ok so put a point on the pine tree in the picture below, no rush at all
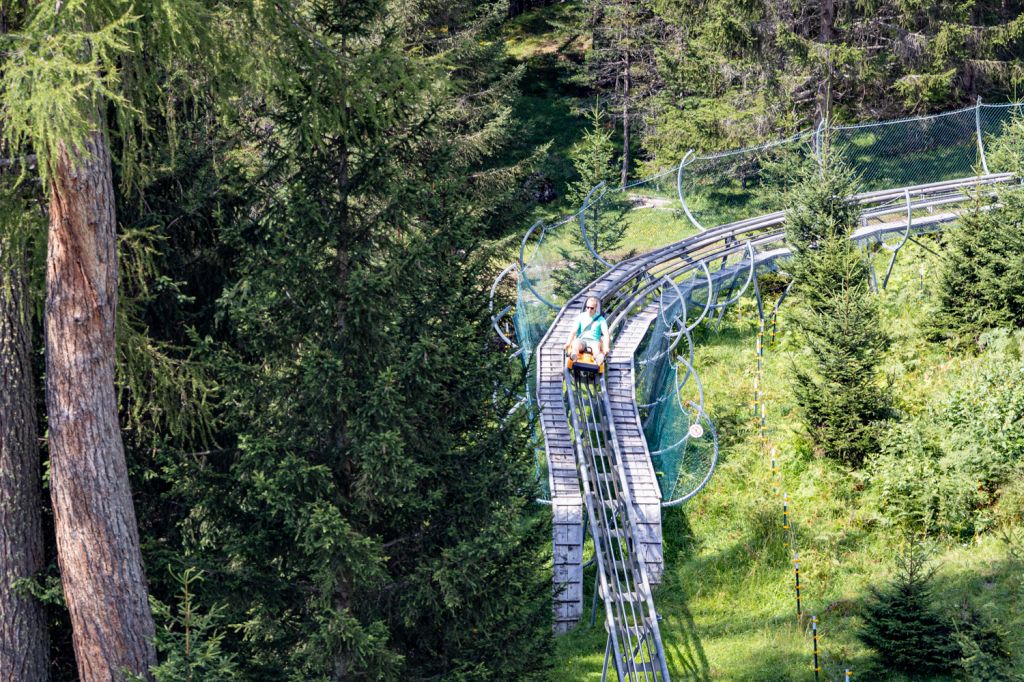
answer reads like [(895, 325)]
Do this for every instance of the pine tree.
[(621, 64), (981, 283), (840, 395), (373, 519), (594, 159), (901, 624)]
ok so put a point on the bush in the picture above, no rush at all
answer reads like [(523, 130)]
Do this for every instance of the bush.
[(916, 491), (984, 655), (984, 416), (901, 624)]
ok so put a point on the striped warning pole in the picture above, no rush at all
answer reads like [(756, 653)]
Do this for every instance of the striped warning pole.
[(759, 352), (785, 520), (796, 567), (814, 631), (775, 475)]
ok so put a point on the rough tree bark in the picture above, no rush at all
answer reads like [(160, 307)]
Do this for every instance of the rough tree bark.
[(24, 641), (626, 76), (97, 535)]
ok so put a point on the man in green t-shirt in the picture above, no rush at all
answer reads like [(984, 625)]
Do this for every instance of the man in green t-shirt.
[(591, 330)]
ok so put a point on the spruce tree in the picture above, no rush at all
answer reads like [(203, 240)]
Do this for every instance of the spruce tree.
[(839, 393), (604, 218), (902, 625), (621, 65), (981, 283), (373, 519)]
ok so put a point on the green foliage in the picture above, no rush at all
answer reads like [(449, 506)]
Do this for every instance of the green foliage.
[(1005, 152), (840, 394), (373, 518), (984, 655), (984, 414), (981, 284), (939, 473), (74, 58), (817, 203), (604, 217), (917, 490), (190, 641), (162, 388), (901, 623), (733, 74), (21, 243)]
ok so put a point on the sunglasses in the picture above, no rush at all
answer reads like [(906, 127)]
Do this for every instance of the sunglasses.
[(591, 307)]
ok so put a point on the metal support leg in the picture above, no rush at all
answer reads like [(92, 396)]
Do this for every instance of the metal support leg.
[(607, 654)]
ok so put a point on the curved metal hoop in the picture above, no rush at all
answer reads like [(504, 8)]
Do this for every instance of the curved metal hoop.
[(504, 311), (679, 190), (522, 267), (743, 289), (679, 400), (895, 250), (707, 305)]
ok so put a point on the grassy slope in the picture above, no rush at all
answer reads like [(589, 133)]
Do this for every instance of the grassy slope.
[(728, 602), (551, 110)]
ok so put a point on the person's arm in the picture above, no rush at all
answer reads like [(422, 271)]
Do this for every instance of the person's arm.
[(606, 338), (572, 337)]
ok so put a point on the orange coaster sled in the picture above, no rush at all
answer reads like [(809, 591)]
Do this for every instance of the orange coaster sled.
[(585, 364)]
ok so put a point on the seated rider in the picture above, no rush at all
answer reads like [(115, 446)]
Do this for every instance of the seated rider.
[(591, 330)]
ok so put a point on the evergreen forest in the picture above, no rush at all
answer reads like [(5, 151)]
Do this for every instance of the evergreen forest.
[(262, 416)]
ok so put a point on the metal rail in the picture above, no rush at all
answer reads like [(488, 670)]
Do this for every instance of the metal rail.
[(634, 643)]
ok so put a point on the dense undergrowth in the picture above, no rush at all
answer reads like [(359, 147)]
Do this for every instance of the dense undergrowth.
[(728, 600)]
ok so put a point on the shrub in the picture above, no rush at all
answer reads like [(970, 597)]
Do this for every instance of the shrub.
[(984, 416), (916, 491), (984, 655)]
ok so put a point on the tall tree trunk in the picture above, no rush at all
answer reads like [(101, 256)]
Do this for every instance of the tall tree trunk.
[(625, 120), (97, 535), (826, 29), (24, 641)]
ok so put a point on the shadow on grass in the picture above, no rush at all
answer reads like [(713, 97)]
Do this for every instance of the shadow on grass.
[(683, 648)]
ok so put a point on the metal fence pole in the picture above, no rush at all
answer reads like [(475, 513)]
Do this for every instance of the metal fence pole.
[(977, 129)]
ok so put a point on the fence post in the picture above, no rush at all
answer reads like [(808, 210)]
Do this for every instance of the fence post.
[(977, 129)]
